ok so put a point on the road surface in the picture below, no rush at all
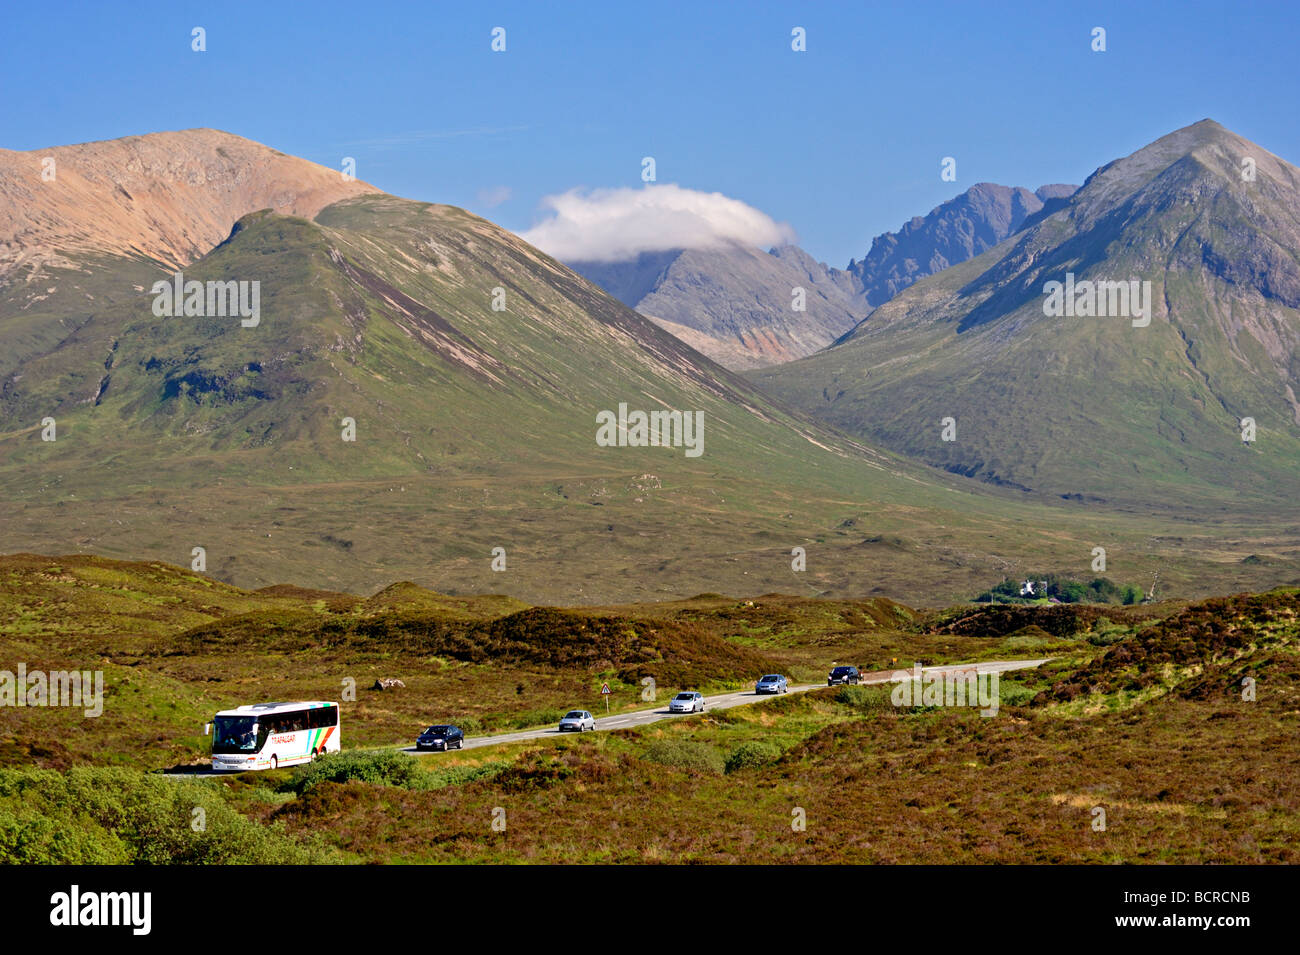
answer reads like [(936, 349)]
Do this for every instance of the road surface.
[(721, 701)]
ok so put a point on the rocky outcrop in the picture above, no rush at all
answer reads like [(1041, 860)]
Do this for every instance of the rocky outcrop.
[(955, 231)]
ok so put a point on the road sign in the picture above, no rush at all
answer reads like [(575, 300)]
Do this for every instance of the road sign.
[(604, 689)]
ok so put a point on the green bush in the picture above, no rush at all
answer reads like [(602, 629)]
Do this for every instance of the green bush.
[(753, 754), (459, 775), (92, 816), (1104, 633), (1107, 638), (870, 699), (385, 767), (471, 725), (685, 754), (1012, 694), (37, 840)]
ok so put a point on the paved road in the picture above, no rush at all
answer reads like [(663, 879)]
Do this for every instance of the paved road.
[(721, 701), (725, 701)]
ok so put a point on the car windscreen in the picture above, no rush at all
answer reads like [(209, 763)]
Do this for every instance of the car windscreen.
[(573, 715), (437, 730), (685, 696), (770, 678)]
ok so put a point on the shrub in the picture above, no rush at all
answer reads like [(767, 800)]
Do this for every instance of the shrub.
[(39, 840), (1106, 639), (871, 699), (459, 775), (471, 725), (685, 754), (1104, 633), (1012, 694), (385, 767), (89, 816), (753, 754)]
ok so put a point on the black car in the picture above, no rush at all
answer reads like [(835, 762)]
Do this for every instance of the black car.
[(843, 675), (441, 737)]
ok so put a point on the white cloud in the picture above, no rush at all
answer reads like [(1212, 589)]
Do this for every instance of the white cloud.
[(604, 225)]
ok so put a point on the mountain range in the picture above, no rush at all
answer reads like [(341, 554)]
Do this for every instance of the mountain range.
[(418, 397), (1194, 401), (953, 232), (419, 389), (736, 303)]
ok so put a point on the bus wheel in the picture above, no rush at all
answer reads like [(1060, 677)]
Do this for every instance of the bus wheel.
[(275, 763)]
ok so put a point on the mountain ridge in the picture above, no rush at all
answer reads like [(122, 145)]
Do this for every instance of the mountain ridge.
[(735, 303), (952, 232), (419, 400), (168, 196), (1162, 404)]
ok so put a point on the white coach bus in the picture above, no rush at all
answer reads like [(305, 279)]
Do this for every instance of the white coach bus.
[(270, 735)]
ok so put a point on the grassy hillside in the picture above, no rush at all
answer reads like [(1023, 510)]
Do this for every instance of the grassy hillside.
[(878, 784), (476, 430), (475, 416), (175, 647), (1140, 713)]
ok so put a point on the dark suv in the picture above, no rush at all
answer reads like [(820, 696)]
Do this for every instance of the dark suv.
[(441, 737), (843, 675)]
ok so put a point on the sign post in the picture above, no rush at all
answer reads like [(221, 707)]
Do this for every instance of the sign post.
[(604, 691)]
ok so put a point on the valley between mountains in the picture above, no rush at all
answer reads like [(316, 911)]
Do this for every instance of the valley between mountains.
[(472, 368)]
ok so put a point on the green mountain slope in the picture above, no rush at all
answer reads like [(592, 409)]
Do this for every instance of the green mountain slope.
[(1101, 408), (475, 429)]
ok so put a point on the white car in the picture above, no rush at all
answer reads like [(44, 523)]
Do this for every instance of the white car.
[(577, 721), (688, 701)]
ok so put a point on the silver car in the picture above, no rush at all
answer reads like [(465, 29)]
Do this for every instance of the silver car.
[(688, 701), (577, 721), (772, 683)]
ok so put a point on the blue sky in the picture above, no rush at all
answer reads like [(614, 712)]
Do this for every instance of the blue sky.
[(842, 142)]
